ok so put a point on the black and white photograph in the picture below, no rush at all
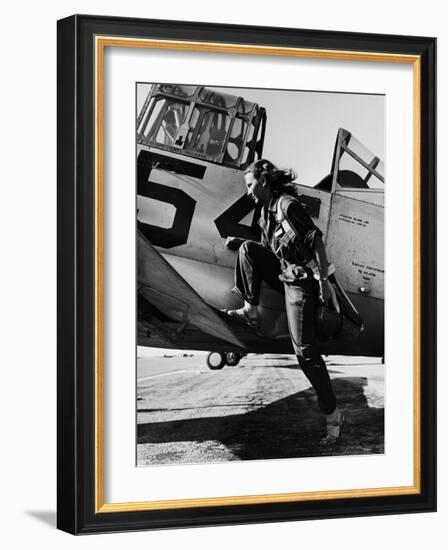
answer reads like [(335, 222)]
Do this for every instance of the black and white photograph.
[(220, 326), (260, 274)]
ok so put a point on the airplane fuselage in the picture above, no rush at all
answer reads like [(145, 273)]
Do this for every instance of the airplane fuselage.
[(188, 207)]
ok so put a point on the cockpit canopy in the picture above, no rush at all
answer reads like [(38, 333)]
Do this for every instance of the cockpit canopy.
[(354, 167), (202, 123)]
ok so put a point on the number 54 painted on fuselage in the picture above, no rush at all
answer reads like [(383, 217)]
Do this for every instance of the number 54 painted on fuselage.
[(193, 145)]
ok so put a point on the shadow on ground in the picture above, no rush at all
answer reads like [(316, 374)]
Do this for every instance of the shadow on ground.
[(288, 428), (48, 517)]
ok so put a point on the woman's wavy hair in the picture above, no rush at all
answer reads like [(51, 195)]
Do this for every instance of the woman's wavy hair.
[(280, 181)]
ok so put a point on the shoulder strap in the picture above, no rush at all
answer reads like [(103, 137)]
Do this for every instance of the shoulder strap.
[(279, 212), (288, 229)]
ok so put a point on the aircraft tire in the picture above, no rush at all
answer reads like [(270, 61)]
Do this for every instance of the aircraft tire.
[(216, 360), (232, 358)]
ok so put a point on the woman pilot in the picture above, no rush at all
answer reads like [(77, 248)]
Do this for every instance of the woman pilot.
[(290, 258)]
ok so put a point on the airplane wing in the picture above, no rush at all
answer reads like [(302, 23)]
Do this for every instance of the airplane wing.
[(171, 312)]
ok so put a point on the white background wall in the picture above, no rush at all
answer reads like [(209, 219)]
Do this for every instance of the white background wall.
[(28, 272)]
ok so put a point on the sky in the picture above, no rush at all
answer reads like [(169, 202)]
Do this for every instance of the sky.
[(302, 126)]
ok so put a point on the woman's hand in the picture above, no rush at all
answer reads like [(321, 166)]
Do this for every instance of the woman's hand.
[(324, 291)]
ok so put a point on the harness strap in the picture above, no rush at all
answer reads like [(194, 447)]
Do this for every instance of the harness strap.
[(291, 232)]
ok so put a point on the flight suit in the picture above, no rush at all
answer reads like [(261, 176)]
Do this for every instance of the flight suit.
[(281, 259)]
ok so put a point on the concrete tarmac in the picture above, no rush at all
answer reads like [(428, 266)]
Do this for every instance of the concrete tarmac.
[(263, 408)]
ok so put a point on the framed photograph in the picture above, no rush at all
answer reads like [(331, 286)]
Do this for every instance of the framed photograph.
[(246, 274)]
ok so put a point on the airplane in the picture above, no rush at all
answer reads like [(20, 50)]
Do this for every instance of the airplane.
[(193, 145)]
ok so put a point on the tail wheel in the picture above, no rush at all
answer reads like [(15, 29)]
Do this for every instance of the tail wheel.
[(216, 360), (232, 358)]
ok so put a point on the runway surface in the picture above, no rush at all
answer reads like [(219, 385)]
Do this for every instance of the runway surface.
[(263, 408)]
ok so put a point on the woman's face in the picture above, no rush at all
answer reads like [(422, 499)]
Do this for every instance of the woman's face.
[(256, 189)]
